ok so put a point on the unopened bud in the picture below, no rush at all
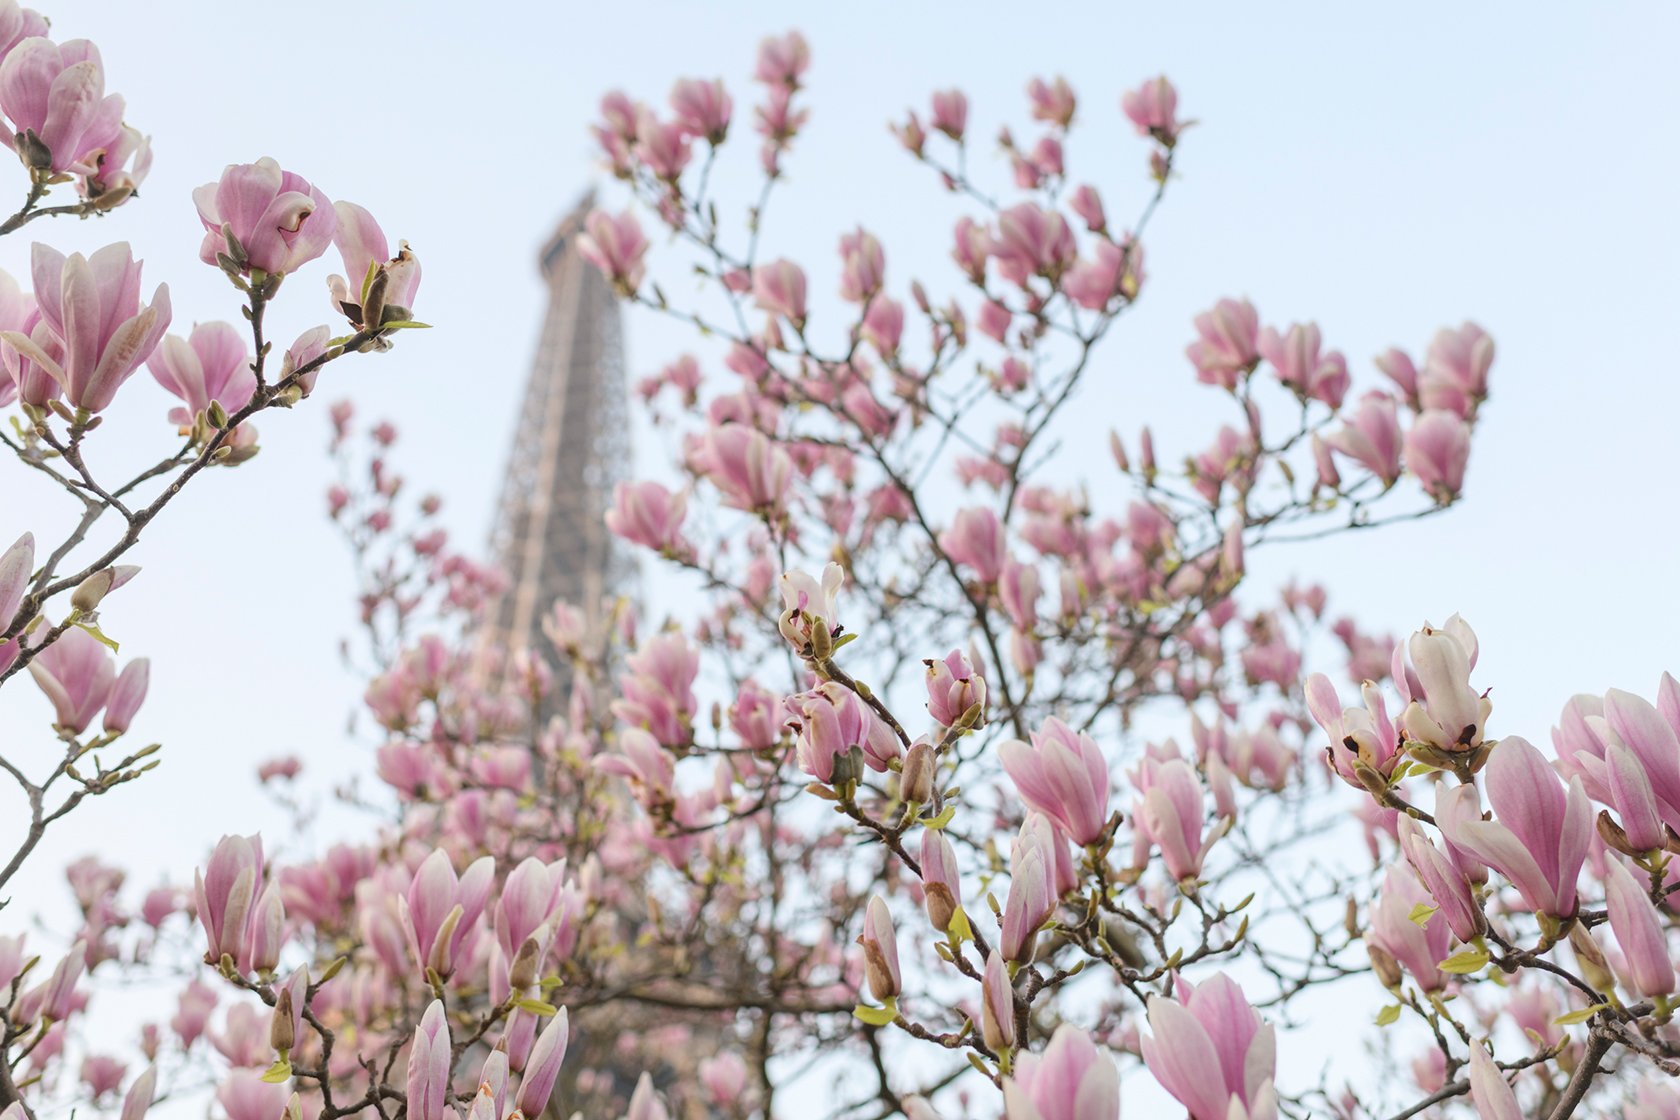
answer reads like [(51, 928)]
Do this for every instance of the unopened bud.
[(373, 306), (941, 905), (1595, 970), (282, 1035), (822, 641), (524, 971), (36, 155), (93, 589), (848, 767), (235, 251), (1385, 966), (915, 783)]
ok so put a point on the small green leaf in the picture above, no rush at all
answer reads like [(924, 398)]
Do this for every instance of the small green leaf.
[(1422, 912), (943, 819), (1464, 962), (959, 929), (875, 1016), (280, 1071), (1580, 1016), (98, 635), (404, 325), (1388, 1015), (536, 1006)]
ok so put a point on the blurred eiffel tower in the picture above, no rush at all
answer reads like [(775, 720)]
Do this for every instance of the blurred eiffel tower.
[(571, 446)]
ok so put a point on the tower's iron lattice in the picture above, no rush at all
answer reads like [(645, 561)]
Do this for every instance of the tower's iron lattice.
[(572, 445)]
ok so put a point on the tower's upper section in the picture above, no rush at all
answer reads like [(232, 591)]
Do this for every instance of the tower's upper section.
[(571, 445)]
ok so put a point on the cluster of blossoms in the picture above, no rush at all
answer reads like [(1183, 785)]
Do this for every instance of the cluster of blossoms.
[(876, 797)]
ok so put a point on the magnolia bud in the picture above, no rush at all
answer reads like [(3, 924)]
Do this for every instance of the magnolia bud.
[(91, 590), (523, 973), (1385, 966), (1595, 970), (281, 1034), (916, 781), (35, 153)]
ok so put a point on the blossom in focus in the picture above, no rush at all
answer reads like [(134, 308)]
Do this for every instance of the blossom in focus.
[(259, 217)]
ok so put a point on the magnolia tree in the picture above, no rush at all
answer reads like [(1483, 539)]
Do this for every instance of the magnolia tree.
[(896, 818)]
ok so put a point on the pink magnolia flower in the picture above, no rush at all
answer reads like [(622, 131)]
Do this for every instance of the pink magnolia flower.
[(226, 891), (1031, 241), (1416, 947), (615, 245), (138, 1099), (1063, 775), (941, 879), (1639, 932), (1211, 1050), (211, 364), (17, 563), (883, 325), (17, 24), (17, 313), (807, 600), (976, 539), (648, 765), (1540, 833), (725, 1078), (997, 1006), (1071, 1080), (244, 1095), (950, 112), (1113, 270), (128, 692), (26, 379), (1455, 371), (1448, 888), (1372, 438), (647, 514), (644, 1102), (542, 1068), (192, 1013), (1052, 101), (880, 951), (782, 60), (91, 307), (753, 471), (1301, 365), (1171, 814), (1032, 889), (1489, 1089), (1445, 711), (953, 687), (1437, 450), (832, 721), (1087, 203), (658, 689), (863, 266), (53, 98), (663, 146), (429, 1065), (375, 285), (264, 218), (102, 1074), (703, 110), (76, 673), (779, 288), (440, 908), (1228, 344), (1153, 109)]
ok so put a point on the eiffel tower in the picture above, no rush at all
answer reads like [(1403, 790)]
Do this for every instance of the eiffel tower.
[(571, 446)]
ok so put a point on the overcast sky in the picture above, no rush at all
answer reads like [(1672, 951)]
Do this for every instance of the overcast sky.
[(1383, 171)]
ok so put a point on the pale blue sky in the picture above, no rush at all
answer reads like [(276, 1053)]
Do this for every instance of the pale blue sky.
[(1382, 171)]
